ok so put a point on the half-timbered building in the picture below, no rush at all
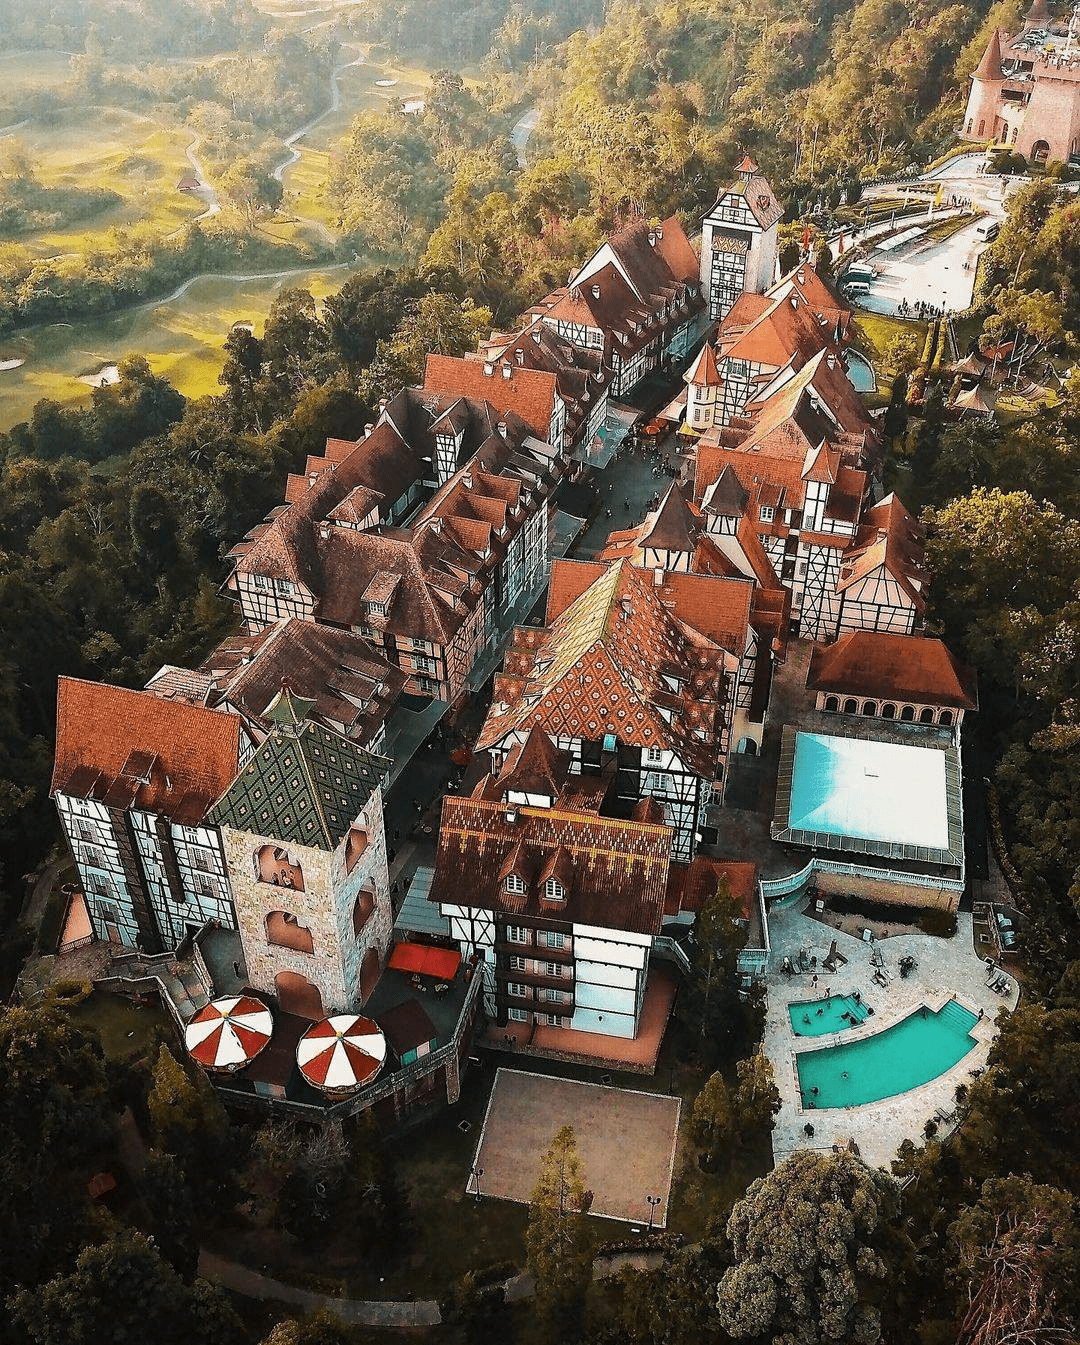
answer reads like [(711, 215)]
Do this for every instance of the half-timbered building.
[(628, 689), (133, 780), (637, 301), (738, 240)]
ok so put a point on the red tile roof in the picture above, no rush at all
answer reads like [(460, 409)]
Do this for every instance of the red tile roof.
[(528, 393), (134, 749), (690, 884), (911, 668), (615, 871)]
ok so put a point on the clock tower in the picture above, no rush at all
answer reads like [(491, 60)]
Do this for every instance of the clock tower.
[(738, 240)]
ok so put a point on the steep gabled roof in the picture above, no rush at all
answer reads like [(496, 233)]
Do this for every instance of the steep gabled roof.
[(913, 668), (888, 539), (528, 393), (759, 196), (537, 766), (132, 749), (618, 869), (304, 786), (785, 329), (615, 661)]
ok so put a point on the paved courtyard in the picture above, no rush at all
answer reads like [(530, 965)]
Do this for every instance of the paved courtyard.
[(946, 969), (626, 1141)]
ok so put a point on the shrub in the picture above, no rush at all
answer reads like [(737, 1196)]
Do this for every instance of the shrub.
[(70, 991)]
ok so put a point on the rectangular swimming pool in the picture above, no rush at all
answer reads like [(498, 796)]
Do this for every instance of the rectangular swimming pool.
[(912, 1052), (817, 1017)]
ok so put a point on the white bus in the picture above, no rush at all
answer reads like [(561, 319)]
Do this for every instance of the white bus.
[(987, 231)]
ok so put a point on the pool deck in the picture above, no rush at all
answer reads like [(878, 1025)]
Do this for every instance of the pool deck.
[(947, 969)]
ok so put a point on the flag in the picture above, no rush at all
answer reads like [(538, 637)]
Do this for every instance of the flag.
[(806, 237)]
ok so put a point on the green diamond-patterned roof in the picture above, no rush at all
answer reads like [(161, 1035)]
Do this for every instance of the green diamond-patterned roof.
[(304, 785)]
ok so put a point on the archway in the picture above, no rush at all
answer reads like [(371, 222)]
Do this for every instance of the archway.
[(1040, 151), (363, 910), (747, 747), (888, 711), (851, 706), (926, 716), (907, 713), (283, 930), (832, 704), (297, 995), (869, 708), (370, 969), (273, 865), (946, 717)]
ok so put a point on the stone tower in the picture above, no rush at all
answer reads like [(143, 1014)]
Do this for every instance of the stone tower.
[(302, 831), (738, 240)]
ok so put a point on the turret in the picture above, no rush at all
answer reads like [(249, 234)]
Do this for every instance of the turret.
[(738, 240), (980, 119)]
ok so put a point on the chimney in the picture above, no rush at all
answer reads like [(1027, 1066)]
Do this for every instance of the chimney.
[(382, 404), (489, 368), (536, 334), (466, 480), (830, 360), (520, 356), (367, 429), (801, 277), (596, 291), (658, 578), (511, 813), (507, 370), (652, 238), (626, 604), (659, 233), (794, 302), (501, 427)]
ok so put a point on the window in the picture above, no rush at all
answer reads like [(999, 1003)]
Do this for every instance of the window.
[(851, 707), (926, 716), (554, 890), (907, 713), (553, 1020), (946, 717), (517, 989), (888, 711), (832, 704), (554, 940), (553, 996), (552, 969), (766, 513), (869, 708), (363, 910), (516, 933), (518, 1015), (654, 754), (610, 743), (283, 930), (515, 883), (517, 963)]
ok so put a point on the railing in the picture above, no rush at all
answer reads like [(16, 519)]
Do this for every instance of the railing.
[(667, 946), (401, 1078), (125, 985), (782, 887)]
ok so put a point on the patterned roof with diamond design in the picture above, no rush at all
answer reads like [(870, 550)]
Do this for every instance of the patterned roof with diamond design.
[(305, 785), (616, 661)]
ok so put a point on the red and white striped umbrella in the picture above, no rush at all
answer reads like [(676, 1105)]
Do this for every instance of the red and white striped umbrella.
[(342, 1052), (229, 1033)]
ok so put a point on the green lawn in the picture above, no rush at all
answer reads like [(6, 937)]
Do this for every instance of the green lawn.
[(127, 1031)]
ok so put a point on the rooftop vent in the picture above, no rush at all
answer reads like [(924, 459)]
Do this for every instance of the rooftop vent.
[(489, 368), (507, 370), (596, 291), (519, 355)]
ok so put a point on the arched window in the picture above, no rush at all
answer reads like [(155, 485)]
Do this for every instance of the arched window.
[(851, 706), (1040, 151), (888, 710), (363, 910), (869, 708), (832, 704), (273, 865), (283, 930), (356, 842), (907, 713), (369, 974), (926, 715), (946, 717), (297, 995)]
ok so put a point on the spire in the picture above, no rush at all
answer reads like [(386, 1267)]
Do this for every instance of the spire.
[(674, 527), (1038, 15), (990, 66), (703, 373), (747, 167), (287, 707)]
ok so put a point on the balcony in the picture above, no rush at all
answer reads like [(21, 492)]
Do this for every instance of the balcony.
[(539, 952)]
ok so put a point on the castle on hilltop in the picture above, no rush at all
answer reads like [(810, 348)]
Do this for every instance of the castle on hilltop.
[(1025, 93)]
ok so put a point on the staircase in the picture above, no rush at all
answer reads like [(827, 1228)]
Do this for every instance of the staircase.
[(957, 1019)]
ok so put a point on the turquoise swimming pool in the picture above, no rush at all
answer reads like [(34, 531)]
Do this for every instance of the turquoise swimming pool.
[(912, 1052), (816, 1017)]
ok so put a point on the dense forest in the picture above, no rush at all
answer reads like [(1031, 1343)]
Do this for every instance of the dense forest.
[(115, 516)]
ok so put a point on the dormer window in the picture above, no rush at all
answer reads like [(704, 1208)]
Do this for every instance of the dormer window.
[(554, 890), (515, 884), (376, 609), (766, 513)]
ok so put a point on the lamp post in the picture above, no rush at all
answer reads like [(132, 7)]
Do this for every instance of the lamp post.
[(477, 1173), (653, 1202)]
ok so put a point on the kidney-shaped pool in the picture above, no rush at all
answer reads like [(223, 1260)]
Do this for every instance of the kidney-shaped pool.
[(912, 1052)]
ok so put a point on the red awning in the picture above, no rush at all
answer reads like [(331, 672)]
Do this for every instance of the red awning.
[(440, 963)]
